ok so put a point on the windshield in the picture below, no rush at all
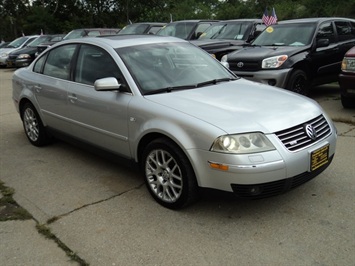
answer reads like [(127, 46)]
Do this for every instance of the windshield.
[(181, 29), (17, 43), (168, 66), (134, 29), (74, 34), (228, 31), (39, 40), (299, 34)]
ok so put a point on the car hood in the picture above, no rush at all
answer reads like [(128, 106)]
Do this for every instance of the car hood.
[(7, 50), (242, 106), (27, 50), (216, 43), (261, 52)]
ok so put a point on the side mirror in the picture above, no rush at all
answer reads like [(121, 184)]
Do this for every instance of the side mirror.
[(322, 43), (108, 84)]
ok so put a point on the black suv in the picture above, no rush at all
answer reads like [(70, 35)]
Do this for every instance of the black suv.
[(295, 54), (226, 36)]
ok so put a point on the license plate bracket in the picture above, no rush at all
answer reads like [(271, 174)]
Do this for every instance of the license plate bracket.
[(319, 157)]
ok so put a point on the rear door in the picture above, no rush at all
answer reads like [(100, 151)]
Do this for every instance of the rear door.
[(50, 87), (346, 36), (325, 60)]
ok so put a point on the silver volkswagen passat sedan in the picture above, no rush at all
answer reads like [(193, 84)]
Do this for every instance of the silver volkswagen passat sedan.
[(170, 107)]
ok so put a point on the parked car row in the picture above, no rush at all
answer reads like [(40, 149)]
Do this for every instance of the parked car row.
[(16, 44), (293, 54)]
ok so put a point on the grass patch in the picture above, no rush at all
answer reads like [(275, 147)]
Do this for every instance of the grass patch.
[(46, 232), (9, 209)]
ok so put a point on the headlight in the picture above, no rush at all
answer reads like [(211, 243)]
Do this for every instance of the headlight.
[(348, 64), (24, 56), (224, 61), (274, 62), (4, 55), (242, 143)]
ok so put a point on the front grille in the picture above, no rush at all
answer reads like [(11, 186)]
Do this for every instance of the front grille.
[(247, 66), (12, 57), (257, 191), (296, 138)]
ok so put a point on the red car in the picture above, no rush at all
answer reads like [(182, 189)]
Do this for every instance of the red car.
[(347, 79)]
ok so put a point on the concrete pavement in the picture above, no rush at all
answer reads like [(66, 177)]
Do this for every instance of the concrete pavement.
[(101, 211)]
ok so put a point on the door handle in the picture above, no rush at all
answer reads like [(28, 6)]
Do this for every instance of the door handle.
[(72, 98), (37, 88)]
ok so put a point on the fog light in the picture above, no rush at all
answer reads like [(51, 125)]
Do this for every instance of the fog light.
[(271, 82), (255, 191)]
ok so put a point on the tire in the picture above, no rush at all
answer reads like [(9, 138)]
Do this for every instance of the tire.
[(33, 126), (168, 174), (298, 82), (347, 102)]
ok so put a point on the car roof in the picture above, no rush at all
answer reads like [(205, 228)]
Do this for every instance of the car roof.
[(148, 23), (119, 41), (241, 20), (314, 20), (194, 20)]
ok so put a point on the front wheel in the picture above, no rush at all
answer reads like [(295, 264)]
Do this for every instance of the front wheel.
[(33, 126), (168, 174), (298, 82), (347, 102)]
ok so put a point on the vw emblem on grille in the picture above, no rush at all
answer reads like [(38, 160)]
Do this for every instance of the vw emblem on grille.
[(240, 64), (310, 131)]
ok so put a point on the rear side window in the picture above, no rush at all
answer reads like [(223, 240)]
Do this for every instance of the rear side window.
[(58, 61), (344, 30)]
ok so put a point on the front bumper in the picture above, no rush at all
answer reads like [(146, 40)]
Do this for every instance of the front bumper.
[(277, 77), (3, 61), (346, 84), (276, 187), (23, 62), (262, 174)]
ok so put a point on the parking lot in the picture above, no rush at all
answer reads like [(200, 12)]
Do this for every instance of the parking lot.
[(99, 208)]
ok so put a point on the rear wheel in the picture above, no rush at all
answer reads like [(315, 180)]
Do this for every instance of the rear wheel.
[(33, 126), (168, 174), (298, 82)]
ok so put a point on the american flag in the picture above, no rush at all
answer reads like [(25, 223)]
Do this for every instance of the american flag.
[(269, 20), (265, 17), (273, 17)]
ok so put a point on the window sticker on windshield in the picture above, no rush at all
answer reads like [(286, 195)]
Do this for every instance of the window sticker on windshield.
[(203, 34), (270, 29)]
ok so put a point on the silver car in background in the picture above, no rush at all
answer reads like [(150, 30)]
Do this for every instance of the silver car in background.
[(170, 107)]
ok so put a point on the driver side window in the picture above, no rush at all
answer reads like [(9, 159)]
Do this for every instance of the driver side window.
[(326, 31), (95, 63)]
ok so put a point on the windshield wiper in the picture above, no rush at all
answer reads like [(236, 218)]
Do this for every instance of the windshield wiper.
[(214, 81), (170, 89), (186, 87)]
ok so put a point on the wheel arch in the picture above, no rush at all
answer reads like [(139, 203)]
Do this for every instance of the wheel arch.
[(302, 65), (149, 137)]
